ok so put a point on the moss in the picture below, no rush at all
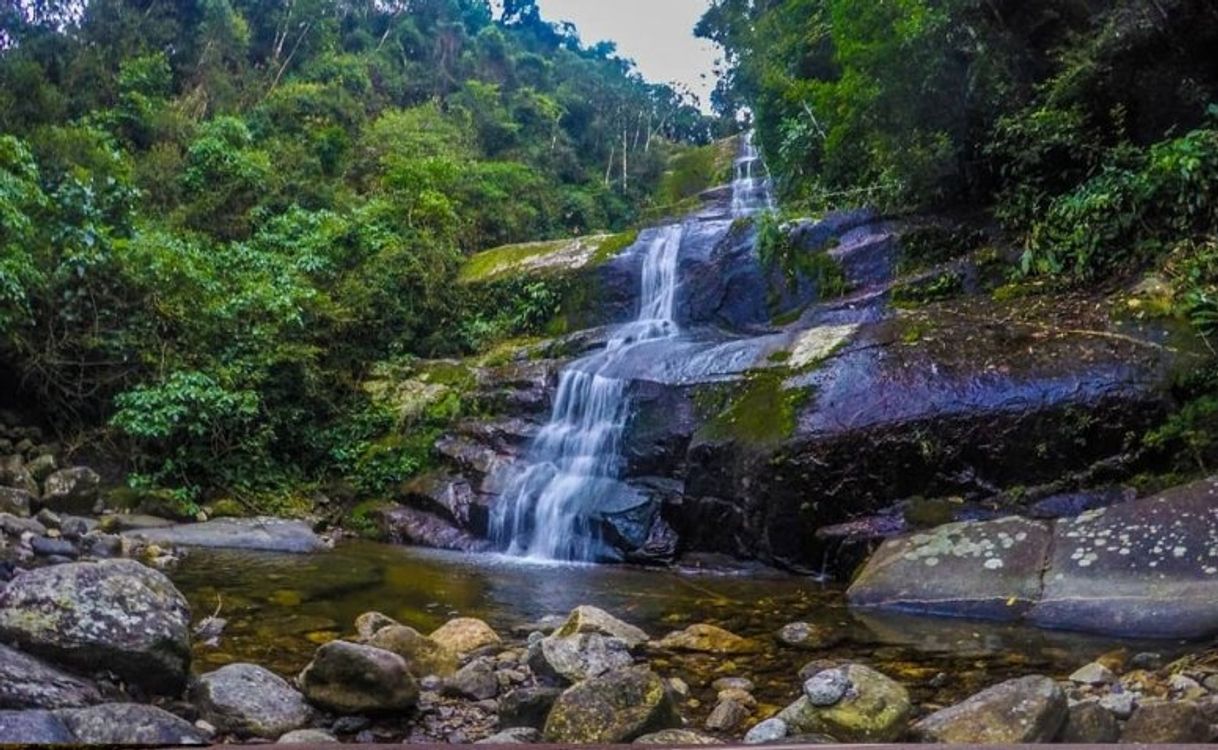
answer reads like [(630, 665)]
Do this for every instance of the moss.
[(693, 170), (787, 318), (226, 508), (759, 411), (490, 263), (612, 245), (779, 357), (362, 519), (923, 513), (928, 246), (923, 291)]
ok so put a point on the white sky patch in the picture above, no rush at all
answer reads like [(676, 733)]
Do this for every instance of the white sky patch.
[(656, 34)]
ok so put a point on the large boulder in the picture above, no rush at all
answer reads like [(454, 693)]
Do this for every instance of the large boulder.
[(423, 655), (871, 708), (115, 615), (262, 534), (249, 701), (1145, 569), (129, 724), (577, 657), (402, 525), (987, 569), (350, 678), (588, 619), (465, 634), (26, 682), (33, 728), (616, 707), (1027, 710), (73, 490), (527, 706), (1163, 723)]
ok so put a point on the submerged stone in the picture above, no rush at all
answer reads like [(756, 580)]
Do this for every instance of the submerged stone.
[(709, 639)]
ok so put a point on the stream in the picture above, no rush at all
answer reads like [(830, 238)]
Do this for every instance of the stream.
[(281, 607)]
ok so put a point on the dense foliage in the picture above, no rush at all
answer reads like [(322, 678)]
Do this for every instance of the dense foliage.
[(217, 215)]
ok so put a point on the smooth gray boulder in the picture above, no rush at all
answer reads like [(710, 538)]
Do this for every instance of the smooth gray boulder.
[(259, 534), (986, 569), (1027, 710), (130, 724), (115, 615), (249, 701), (350, 678), (33, 728), (1144, 569), (26, 682)]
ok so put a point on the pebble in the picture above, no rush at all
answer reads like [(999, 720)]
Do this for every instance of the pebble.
[(826, 688), (726, 716), (770, 730), (1120, 704), (1093, 674)]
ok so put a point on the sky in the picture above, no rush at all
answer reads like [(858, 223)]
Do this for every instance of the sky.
[(656, 34)]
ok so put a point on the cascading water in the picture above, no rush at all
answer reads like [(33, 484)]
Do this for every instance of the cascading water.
[(549, 509)]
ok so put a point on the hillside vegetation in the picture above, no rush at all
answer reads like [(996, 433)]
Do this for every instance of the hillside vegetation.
[(216, 216)]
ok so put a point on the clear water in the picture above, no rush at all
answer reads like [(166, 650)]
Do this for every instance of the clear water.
[(555, 499)]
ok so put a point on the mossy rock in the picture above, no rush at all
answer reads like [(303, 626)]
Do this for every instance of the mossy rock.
[(615, 708), (874, 709)]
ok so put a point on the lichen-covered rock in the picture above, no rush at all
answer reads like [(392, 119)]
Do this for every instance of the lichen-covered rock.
[(26, 682), (616, 707), (73, 490), (1090, 724), (770, 730), (15, 501), (874, 709), (577, 657), (587, 619), (423, 655), (988, 569), (350, 678), (129, 724), (708, 639), (249, 701), (1026, 710), (678, 738), (465, 634), (33, 728), (1145, 569), (527, 706), (1165, 723), (114, 615)]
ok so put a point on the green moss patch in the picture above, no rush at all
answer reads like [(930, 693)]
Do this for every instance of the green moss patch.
[(760, 411)]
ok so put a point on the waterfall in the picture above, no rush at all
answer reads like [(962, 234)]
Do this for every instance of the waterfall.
[(548, 510), (551, 506)]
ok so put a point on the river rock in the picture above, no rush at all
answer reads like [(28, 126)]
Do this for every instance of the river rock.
[(527, 707), (1093, 674), (33, 728), (1026, 710), (513, 736), (112, 615), (770, 730), (616, 707), (1121, 705), (810, 637), (26, 682), (1145, 569), (986, 569), (423, 655), (464, 635), (1090, 724), (708, 639), (727, 715), (826, 688), (875, 709), (678, 738), (367, 624), (1165, 723), (47, 547), (249, 701), (475, 681), (260, 534), (129, 724), (307, 737), (577, 657), (586, 619), (73, 490), (349, 678), (15, 501)]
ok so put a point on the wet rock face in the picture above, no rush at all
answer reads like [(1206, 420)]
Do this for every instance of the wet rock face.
[(410, 526), (249, 701), (115, 615), (26, 682), (987, 569), (129, 724), (616, 707), (348, 678), (1027, 710)]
